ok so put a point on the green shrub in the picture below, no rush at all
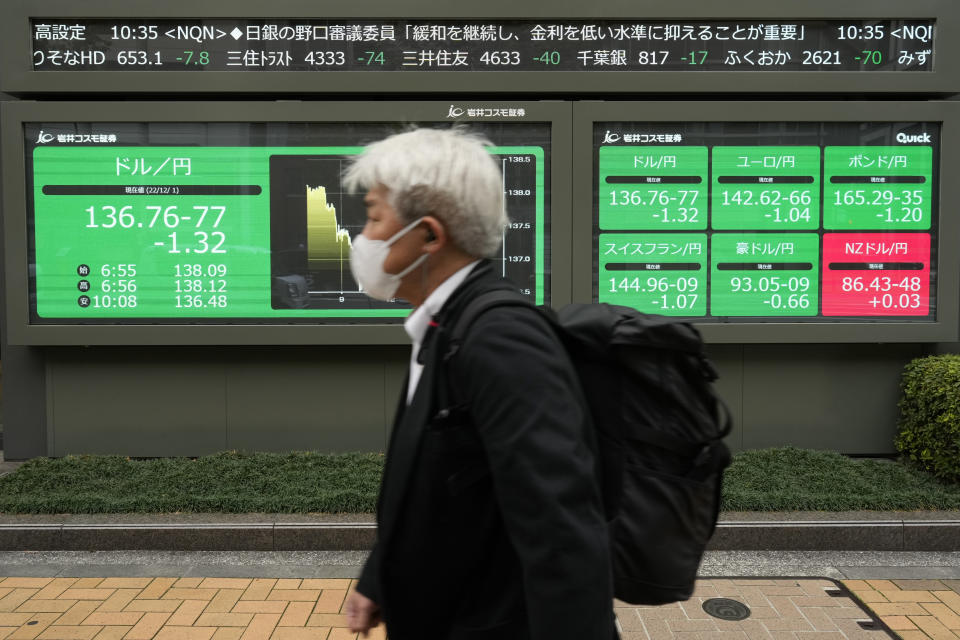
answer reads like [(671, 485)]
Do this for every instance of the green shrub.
[(930, 415)]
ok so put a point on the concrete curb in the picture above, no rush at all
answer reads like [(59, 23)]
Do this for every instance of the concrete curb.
[(740, 535)]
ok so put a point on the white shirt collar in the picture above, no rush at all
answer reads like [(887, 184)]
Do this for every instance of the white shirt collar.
[(418, 322)]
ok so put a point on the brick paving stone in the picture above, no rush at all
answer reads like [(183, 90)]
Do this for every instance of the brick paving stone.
[(157, 588), (787, 591), (653, 629), (952, 584), (260, 606), (54, 588), (112, 633), (44, 620), (819, 618), (933, 628), (821, 601), (909, 596), (882, 585), (153, 606), (325, 583), (185, 633), (785, 606), (787, 624), (58, 632), (899, 623), (120, 599), (125, 583), (854, 631), (327, 620), (919, 585), (86, 594), (336, 634), (949, 598), (691, 625), (175, 593), (944, 614), (761, 613), (704, 590), (378, 633), (816, 586), (113, 619), (693, 609), (630, 620), (288, 583), (15, 598), (300, 633), (224, 600), (187, 583), (296, 614), (261, 627), (49, 606), (228, 633), (88, 583), (330, 601), (299, 595), (914, 634), (899, 609), (870, 596), (259, 589), (755, 630), (225, 583), (78, 612), (224, 619), (26, 583), (148, 626), (5, 591), (848, 613), (14, 619), (187, 613)]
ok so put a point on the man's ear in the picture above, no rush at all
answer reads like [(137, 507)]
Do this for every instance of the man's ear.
[(436, 235)]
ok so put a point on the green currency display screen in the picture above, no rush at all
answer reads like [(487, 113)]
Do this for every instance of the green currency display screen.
[(233, 222), (772, 221)]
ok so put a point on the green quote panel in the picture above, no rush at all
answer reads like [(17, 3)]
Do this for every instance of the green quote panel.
[(764, 274), (766, 188), (653, 188), (186, 231), (878, 187), (663, 273)]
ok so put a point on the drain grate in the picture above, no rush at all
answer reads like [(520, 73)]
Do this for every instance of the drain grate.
[(726, 609)]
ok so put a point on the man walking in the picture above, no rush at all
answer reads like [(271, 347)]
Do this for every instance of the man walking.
[(490, 523)]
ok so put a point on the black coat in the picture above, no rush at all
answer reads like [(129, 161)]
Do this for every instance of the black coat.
[(490, 522)]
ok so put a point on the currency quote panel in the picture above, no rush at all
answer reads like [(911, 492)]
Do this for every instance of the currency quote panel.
[(216, 222), (789, 221)]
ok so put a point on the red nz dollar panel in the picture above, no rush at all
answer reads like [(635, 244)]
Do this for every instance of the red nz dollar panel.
[(876, 274)]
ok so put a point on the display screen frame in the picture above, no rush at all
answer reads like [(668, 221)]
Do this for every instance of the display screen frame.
[(15, 115), (943, 328), (18, 77)]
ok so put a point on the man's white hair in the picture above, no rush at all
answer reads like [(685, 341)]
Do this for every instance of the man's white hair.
[(445, 173)]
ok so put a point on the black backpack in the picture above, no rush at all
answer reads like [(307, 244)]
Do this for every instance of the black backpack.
[(660, 429)]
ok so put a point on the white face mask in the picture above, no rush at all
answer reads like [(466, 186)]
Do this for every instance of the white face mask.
[(366, 263)]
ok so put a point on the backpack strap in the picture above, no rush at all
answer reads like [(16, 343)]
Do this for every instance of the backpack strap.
[(453, 336), (476, 308)]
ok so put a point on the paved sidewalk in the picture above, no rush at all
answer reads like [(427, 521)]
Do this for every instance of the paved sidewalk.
[(174, 595), (197, 608), (914, 609)]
